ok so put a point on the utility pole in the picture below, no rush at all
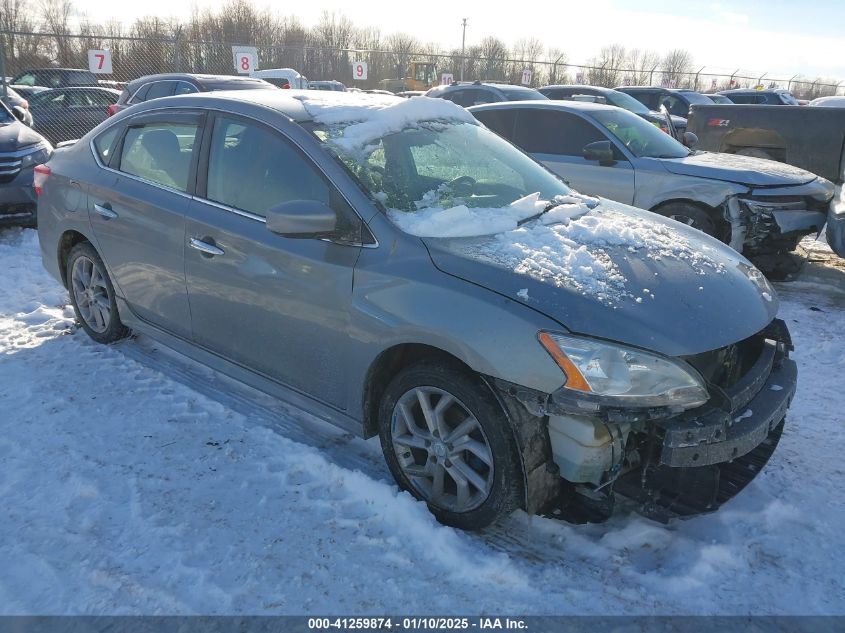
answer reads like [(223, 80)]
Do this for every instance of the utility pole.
[(463, 47)]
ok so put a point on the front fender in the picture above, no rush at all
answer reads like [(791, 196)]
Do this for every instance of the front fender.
[(656, 186)]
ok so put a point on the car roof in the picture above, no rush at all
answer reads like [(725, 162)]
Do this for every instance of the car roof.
[(568, 106), (281, 101), (54, 70), (577, 87), (737, 91), (198, 78), (80, 88)]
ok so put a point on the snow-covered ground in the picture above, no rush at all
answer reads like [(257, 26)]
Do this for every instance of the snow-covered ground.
[(134, 481)]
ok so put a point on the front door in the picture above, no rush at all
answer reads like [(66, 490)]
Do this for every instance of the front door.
[(557, 139), (137, 208), (276, 305)]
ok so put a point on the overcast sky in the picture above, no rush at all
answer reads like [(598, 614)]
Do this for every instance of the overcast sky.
[(781, 37)]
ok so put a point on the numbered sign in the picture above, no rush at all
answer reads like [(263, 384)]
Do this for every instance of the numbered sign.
[(99, 61), (359, 71), (245, 59), (446, 79), (713, 85), (526, 77), (579, 78)]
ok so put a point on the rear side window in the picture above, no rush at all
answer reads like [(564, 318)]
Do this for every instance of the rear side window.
[(500, 121), (104, 142), (160, 153), (160, 89), (550, 132), (140, 94), (254, 169), (184, 88)]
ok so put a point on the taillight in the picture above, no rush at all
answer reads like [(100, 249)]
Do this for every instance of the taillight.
[(112, 109), (39, 178)]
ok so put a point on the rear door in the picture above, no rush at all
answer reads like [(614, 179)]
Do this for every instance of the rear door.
[(137, 210), (557, 139), (277, 305)]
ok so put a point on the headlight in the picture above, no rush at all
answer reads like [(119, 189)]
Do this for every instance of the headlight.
[(40, 154), (623, 376)]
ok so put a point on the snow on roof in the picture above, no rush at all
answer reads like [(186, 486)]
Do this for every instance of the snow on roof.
[(371, 116)]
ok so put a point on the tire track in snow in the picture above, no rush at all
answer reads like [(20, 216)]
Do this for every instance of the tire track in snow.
[(516, 536)]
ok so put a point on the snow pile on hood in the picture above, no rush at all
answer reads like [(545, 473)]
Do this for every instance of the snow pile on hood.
[(463, 221), (371, 116), (569, 246)]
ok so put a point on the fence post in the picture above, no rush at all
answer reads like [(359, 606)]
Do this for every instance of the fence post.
[(177, 57), (3, 64)]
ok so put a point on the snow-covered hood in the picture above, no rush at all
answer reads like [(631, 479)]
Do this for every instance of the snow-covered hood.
[(15, 136), (619, 273), (754, 172)]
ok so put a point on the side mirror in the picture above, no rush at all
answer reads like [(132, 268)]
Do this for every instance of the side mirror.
[(302, 219), (602, 151), (20, 113), (690, 139)]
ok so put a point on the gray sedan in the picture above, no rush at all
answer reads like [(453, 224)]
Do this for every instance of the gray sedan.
[(396, 268), (761, 207), (65, 114)]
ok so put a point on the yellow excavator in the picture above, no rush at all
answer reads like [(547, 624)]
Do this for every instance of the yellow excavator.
[(421, 76)]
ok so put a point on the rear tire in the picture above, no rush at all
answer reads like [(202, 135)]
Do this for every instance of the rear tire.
[(689, 214), (447, 441), (92, 295)]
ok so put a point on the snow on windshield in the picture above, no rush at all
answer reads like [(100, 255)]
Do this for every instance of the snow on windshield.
[(368, 117), (568, 246)]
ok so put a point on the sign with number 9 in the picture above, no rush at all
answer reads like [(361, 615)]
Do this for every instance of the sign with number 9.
[(359, 71)]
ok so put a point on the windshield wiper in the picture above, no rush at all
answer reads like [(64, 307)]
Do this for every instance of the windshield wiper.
[(553, 204)]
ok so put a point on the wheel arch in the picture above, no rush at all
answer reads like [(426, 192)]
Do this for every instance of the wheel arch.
[(533, 448), (713, 212), (67, 241)]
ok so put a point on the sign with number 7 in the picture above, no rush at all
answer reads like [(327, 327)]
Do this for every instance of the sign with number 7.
[(99, 61)]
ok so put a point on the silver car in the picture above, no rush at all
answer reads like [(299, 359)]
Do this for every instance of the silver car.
[(760, 207), (396, 268)]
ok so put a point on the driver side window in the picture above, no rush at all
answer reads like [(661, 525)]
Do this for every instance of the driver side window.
[(253, 169)]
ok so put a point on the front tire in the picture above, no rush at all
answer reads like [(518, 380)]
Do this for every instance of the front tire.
[(447, 441), (92, 295), (689, 214)]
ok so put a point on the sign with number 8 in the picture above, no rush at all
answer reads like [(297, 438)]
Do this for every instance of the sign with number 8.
[(245, 58)]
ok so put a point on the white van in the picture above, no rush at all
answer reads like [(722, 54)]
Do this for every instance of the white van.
[(282, 77)]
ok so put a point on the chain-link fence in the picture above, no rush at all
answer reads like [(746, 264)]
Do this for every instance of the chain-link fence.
[(132, 57)]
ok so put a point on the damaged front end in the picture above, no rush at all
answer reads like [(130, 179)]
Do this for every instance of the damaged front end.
[(768, 222), (670, 464)]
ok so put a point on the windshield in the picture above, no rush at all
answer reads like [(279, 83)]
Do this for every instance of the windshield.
[(522, 94), (787, 98), (695, 97), (445, 165), (625, 101), (642, 138)]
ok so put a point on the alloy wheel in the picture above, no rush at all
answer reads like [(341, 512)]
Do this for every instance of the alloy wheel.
[(91, 294), (442, 449)]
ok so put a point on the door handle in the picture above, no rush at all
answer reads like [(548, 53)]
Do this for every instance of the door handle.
[(105, 211), (205, 247)]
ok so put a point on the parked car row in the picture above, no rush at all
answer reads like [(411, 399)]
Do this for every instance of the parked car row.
[(512, 342)]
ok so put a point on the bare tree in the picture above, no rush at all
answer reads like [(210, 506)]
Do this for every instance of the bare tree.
[(676, 66), (495, 54), (557, 69), (526, 53), (640, 66), (607, 68)]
